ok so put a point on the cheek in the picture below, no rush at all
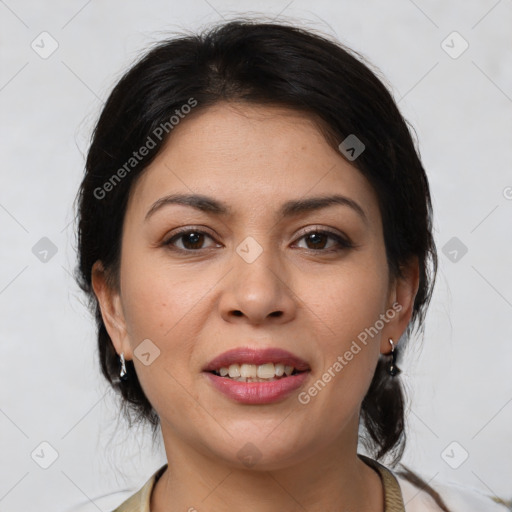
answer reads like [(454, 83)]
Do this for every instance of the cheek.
[(349, 300), (361, 300), (158, 307), (158, 304), (348, 304), (156, 297)]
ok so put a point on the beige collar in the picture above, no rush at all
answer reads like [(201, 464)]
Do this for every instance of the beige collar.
[(393, 500)]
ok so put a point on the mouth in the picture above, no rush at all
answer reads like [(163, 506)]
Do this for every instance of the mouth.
[(267, 372), (257, 376)]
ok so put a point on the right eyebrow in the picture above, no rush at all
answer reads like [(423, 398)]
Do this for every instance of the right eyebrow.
[(198, 201)]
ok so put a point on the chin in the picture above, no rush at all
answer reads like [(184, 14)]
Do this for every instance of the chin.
[(261, 449)]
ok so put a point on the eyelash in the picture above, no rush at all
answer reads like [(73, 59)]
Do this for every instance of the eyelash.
[(342, 243)]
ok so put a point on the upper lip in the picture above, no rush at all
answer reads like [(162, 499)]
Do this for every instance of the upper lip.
[(246, 355)]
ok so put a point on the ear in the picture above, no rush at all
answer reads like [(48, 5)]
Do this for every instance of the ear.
[(111, 309), (403, 290)]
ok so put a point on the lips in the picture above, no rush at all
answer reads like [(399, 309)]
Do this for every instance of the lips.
[(259, 391), (256, 357)]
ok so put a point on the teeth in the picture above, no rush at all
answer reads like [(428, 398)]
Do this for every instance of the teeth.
[(248, 370), (234, 371), (255, 373), (279, 369), (266, 371)]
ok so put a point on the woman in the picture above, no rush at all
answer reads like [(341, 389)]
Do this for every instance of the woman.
[(255, 235)]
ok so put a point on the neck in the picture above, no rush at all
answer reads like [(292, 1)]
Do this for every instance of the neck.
[(330, 479)]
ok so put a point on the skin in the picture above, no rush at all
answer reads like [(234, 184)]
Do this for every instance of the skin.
[(195, 305)]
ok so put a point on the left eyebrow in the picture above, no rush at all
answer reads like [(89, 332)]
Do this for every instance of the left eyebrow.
[(288, 209), (299, 206)]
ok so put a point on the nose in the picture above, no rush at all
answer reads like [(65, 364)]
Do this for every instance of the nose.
[(259, 291)]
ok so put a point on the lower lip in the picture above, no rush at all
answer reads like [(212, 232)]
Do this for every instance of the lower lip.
[(258, 392)]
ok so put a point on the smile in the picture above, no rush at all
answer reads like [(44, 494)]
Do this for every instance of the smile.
[(256, 373), (260, 376)]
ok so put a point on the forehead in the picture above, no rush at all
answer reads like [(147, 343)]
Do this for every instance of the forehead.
[(250, 157)]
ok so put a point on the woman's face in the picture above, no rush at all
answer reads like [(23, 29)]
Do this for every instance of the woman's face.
[(248, 276)]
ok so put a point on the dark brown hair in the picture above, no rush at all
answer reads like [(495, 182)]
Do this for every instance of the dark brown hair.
[(261, 63)]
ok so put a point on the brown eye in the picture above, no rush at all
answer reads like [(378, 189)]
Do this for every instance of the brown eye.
[(191, 240), (316, 240)]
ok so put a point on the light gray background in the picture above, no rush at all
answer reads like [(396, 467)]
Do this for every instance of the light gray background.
[(460, 384)]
